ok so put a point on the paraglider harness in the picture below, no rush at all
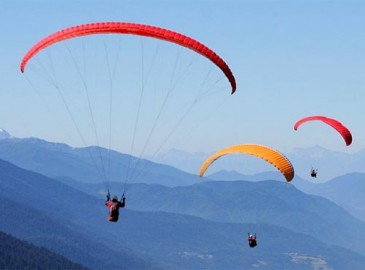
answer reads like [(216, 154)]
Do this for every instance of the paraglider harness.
[(313, 173), (114, 206), (252, 240)]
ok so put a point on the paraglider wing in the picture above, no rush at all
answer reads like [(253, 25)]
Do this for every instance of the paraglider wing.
[(272, 156), (133, 29), (344, 132)]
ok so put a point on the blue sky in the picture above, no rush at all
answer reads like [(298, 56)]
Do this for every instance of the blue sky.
[(290, 58)]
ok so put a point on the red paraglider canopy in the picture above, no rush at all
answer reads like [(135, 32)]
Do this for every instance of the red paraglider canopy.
[(344, 132), (133, 29)]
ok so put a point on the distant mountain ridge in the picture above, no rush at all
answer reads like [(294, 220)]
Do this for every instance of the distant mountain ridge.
[(4, 134), (347, 190), (40, 155), (269, 202), (166, 199), (62, 161), (274, 202), (90, 164), (330, 163), (74, 224)]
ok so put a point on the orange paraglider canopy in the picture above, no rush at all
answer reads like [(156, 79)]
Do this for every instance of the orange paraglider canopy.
[(272, 156)]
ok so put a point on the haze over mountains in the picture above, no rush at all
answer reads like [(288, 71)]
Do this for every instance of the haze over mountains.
[(86, 164), (330, 164), (174, 219), (4, 134)]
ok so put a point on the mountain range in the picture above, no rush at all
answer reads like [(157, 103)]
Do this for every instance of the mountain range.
[(89, 164), (347, 190), (188, 223), (265, 202), (73, 223), (329, 163), (100, 163), (84, 165)]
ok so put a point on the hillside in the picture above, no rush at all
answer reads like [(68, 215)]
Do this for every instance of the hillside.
[(270, 202), (347, 190), (146, 240), (46, 216), (62, 236), (18, 254)]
